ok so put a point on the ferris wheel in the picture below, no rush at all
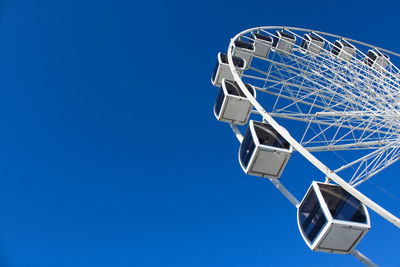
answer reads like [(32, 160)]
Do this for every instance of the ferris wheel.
[(293, 90)]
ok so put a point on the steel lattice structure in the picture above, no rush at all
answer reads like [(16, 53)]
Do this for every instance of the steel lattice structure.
[(323, 93), (344, 105)]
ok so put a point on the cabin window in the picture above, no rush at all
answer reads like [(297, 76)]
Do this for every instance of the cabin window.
[(311, 217), (270, 137), (247, 148), (219, 101), (287, 35), (371, 55), (215, 71), (263, 37), (336, 48), (342, 205), (244, 44), (304, 44), (316, 38)]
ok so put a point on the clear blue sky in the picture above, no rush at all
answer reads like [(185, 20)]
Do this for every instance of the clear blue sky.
[(109, 151)]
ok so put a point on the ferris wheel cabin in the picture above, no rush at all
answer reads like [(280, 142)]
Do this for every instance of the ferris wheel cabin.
[(376, 59), (232, 105), (343, 50), (262, 44), (264, 152), (283, 42), (245, 50), (311, 44), (222, 70), (332, 220)]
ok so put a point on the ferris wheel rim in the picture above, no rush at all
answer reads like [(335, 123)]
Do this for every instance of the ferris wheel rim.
[(296, 145), (315, 31), (363, 104)]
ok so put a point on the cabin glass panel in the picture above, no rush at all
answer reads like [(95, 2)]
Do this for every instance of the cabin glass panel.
[(263, 37), (336, 48), (247, 148), (219, 101), (371, 55), (342, 205), (233, 89), (244, 44), (311, 217), (304, 44), (237, 61), (315, 37), (215, 71), (269, 136)]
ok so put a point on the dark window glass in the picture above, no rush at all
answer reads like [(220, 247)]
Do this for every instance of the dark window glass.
[(233, 89), (263, 37), (237, 61), (250, 88), (287, 35), (247, 148), (224, 58), (275, 41), (215, 72), (304, 44), (311, 218), (371, 55), (268, 136), (317, 38), (370, 58), (378, 53), (345, 43), (342, 205), (219, 101), (368, 61), (336, 48), (244, 44)]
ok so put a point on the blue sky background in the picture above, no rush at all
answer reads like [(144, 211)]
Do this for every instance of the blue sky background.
[(110, 154)]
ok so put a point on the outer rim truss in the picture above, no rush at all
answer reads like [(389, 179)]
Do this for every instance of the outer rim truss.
[(296, 145)]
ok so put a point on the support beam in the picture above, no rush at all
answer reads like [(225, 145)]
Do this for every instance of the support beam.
[(311, 158)]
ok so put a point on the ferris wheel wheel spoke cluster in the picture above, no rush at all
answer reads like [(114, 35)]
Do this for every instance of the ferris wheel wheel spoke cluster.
[(337, 94)]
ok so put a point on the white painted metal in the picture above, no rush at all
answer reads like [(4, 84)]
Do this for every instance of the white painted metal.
[(223, 72), (283, 43), (234, 108), (343, 50), (336, 236), (363, 258), (296, 202), (262, 46), (285, 192), (265, 161), (339, 88), (342, 102), (311, 45), (376, 59), (244, 52)]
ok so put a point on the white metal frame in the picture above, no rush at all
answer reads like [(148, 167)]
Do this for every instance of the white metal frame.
[(262, 47), (331, 175), (224, 72), (260, 148), (330, 221), (350, 107), (245, 53), (230, 102), (296, 202)]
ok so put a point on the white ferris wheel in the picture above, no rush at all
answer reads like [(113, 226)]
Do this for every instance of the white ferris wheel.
[(294, 90)]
